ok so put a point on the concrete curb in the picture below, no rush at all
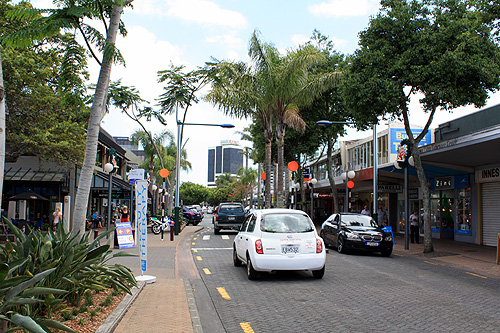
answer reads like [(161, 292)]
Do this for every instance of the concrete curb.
[(193, 310), (116, 316)]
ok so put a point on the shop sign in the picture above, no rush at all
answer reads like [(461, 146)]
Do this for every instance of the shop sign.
[(488, 175), (443, 183), (398, 134), (389, 188), (413, 194), (322, 195), (306, 172)]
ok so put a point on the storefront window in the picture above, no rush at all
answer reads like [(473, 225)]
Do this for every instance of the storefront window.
[(464, 212), (435, 215)]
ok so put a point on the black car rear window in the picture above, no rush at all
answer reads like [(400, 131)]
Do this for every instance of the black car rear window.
[(234, 209)]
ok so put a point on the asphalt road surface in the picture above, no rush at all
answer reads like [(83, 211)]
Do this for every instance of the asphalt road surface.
[(359, 292)]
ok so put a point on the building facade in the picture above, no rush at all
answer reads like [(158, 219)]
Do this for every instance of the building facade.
[(226, 158), (460, 163)]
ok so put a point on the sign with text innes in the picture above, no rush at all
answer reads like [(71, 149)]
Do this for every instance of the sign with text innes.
[(488, 175)]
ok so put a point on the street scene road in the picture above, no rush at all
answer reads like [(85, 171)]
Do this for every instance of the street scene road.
[(359, 292)]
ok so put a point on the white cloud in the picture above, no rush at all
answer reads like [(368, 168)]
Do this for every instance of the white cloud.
[(299, 39), (228, 40), (340, 8), (205, 12)]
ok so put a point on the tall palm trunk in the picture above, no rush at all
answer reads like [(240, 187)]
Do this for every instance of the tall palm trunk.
[(267, 170), (94, 125), (280, 137), (2, 128), (259, 187)]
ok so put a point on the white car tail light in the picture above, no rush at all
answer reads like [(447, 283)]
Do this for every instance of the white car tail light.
[(258, 247), (319, 245)]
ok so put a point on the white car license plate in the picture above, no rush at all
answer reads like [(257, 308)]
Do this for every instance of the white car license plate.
[(372, 244), (231, 218), (286, 249)]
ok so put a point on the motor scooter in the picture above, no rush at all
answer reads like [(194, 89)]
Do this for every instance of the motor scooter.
[(157, 226)]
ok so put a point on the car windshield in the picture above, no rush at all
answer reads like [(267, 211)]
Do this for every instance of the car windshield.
[(358, 221), (233, 209), (283, 223)]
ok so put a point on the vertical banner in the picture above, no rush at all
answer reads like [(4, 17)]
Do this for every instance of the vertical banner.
[(141, 208)]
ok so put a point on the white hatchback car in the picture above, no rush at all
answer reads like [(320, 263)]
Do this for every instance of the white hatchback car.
[(279, 240)]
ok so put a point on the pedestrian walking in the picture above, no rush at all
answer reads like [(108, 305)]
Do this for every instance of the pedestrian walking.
[(366, 211), (56, 218), (381, 217), (414, 227), (125, 215)]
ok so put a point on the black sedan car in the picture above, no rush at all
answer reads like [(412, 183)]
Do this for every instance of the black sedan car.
[(192, 215), (355, 231)]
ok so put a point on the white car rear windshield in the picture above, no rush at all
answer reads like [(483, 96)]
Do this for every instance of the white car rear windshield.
[(285, 223)]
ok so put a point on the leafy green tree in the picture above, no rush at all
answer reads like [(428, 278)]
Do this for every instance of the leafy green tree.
[(77, 16), (438, 50), (47, 115), (194, 194)]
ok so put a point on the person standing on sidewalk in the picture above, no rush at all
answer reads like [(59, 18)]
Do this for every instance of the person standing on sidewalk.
[(414, 228)]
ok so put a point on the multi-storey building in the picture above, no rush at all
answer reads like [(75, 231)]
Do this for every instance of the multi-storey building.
[(226, 158)]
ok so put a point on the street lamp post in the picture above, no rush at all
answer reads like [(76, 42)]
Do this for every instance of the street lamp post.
[(108, 167), (312, 182), (346, 176), (180, 125)]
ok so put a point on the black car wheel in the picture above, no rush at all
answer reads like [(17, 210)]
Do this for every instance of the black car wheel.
[(251, 272), (319, 273), (386, 252), (340, 245), (237, 262)]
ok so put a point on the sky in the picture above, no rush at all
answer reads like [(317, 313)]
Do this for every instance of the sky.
[(192, 32)]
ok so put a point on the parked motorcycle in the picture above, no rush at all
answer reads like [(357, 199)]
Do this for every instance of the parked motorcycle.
[(157, 226)]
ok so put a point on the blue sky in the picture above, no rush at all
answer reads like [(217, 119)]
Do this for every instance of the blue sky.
[(190, 32)]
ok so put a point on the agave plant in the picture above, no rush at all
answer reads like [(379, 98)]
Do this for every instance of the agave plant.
[(66, 267)]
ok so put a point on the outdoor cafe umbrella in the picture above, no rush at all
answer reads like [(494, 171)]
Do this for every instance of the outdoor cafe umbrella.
[(28, 195)]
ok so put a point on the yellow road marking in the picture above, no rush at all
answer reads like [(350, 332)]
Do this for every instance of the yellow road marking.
[(199, 258), (195, 250), (246, 327), (399, 255), (432, 263), (195, 238), (206, 271), (193, 243), (482, 277), (223, 293)]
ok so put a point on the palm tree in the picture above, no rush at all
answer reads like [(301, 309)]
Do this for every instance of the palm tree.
[(71, 16), (270, 88), (248, 178), (161, 151)]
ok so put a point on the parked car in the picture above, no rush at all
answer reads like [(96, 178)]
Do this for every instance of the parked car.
[(355, 231), (192, 215), (279, 240), (198, 208), (228, 215)]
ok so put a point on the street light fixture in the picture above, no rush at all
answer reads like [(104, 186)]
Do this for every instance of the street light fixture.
[(109, 167), (375, 181), (180, 124)]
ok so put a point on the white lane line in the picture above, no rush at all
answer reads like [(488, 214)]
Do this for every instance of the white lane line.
[(212, 248), (206, 237), (225, 237)]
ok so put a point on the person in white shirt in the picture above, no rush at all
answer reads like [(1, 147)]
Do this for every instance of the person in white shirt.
[(56, 218), (366, 211), (414, 229)]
